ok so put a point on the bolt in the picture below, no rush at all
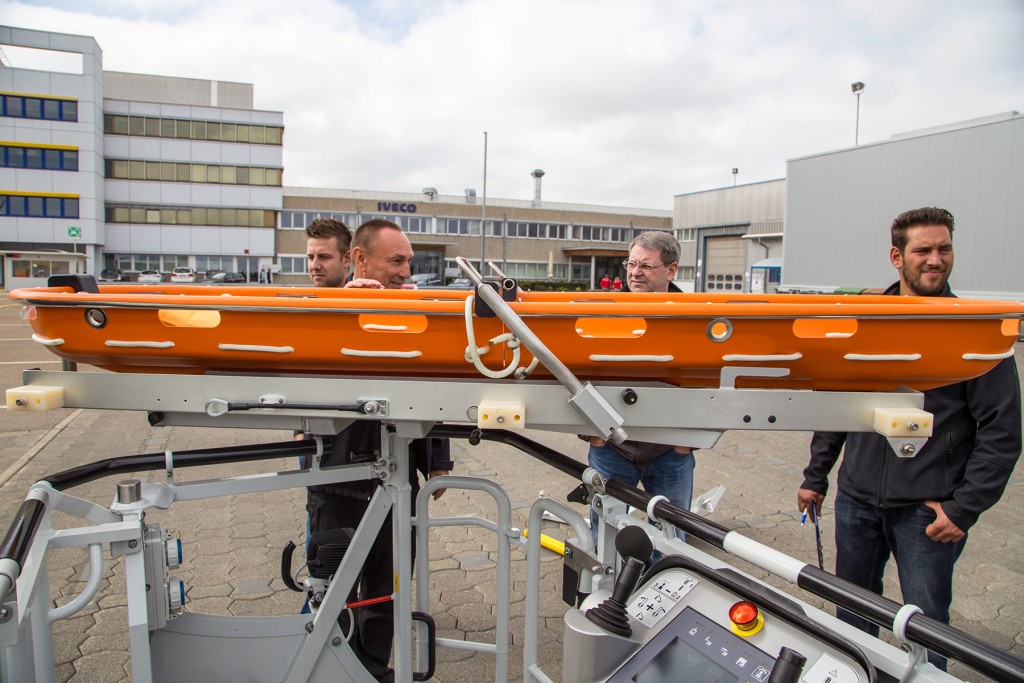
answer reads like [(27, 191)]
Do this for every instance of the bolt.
[(20, 402), (908, 449), (500, 419), (913, 426), (5, 614), (133, 543), (598, 504), (309, 627), (336, 641)]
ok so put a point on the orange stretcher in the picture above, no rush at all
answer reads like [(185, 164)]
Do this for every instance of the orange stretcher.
[(858, 343)]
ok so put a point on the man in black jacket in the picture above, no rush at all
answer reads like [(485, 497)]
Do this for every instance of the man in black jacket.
[(381, 255), (919, 509)]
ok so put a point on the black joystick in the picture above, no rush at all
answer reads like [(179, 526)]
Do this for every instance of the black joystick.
[(788, 667), (611, 614), (635, 548)]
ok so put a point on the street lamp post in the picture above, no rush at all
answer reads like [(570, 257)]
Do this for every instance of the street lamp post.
[(483, 215), (857, 88)]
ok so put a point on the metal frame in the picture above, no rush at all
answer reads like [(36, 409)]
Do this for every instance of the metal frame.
[(649, 411)]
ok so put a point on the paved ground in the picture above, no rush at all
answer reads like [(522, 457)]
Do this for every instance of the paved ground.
[(233, 545)]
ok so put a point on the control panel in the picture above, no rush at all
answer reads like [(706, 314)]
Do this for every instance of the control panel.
[(684, 627)]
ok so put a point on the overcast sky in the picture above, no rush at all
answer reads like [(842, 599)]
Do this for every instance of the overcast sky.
[(620, 103)]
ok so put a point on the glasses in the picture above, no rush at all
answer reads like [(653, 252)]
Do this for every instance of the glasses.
[(645, 267)]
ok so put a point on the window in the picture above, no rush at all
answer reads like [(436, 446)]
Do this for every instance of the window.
[(36, 206), (33, 158), (149, 126), (14, 106), (47, 108), (292, 265), (169, 215), (418, 224), (51, 159), (459, 226), (171, 261)]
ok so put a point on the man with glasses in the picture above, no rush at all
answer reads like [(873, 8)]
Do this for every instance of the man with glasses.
[(664, 470)]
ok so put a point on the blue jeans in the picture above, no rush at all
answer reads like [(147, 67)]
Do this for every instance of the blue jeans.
[(670, 475), (866, 536)]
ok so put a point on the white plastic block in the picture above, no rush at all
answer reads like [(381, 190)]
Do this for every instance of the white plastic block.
[(501, 415), (35, 399), (903, 422)]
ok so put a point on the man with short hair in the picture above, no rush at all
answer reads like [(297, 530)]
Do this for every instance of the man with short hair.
[(382, 256), (919, 509), (664, 470)]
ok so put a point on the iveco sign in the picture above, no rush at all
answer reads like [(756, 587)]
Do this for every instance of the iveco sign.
[(395, 206)]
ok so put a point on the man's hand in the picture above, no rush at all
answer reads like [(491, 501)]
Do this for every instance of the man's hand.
[(942, 530), (682, 450), (363, 283), (804, 498), (596, 441), (437, 473)]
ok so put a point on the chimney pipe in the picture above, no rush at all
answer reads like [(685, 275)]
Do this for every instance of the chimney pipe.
[(537, 175)]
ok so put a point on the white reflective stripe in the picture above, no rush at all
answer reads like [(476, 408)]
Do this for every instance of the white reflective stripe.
[(778, 356), (140, 344), (381, 354), (882, 356), (47, 342), (987, 356), (629, 358), (772, 560), (390, 328), (255, 347)]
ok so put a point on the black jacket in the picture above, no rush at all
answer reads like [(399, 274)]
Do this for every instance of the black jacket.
[(360, 442), (965, 465)]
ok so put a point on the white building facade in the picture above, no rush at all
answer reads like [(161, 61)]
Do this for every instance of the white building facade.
[(131, 171)]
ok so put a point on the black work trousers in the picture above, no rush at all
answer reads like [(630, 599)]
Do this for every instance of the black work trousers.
[(374, 624)]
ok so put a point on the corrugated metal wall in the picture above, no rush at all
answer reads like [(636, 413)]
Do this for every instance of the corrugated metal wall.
[(839, 207)]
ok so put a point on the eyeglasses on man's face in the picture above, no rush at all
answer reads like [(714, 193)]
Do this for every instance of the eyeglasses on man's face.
[(645, 267)]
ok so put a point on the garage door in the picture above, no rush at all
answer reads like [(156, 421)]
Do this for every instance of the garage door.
[(725, 264)]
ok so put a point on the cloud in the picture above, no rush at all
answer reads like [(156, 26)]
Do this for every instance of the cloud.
[(622, 104)]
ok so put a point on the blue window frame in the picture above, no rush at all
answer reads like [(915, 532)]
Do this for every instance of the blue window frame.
[(35, 206), (12, 156), (47, 108)]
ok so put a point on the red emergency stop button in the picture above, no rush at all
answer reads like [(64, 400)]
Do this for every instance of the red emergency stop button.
[(745, 619)]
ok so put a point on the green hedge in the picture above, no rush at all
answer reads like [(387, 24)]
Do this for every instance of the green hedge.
[(552, 286)]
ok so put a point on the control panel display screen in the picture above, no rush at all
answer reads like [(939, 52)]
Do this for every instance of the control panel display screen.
[(678, 661), (693, 648)]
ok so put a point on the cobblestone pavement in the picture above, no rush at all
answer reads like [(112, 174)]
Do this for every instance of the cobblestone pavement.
[(233, 544)]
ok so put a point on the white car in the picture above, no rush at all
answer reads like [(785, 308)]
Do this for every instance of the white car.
[(149, 277), (183, 275)]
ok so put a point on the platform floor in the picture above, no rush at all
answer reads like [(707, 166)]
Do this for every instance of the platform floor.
[(232, 546)]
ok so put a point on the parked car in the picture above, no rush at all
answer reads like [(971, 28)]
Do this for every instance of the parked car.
[(111, 275), (425, 280), (220, 278), (149, 277), (461, 283), (183, 274)]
